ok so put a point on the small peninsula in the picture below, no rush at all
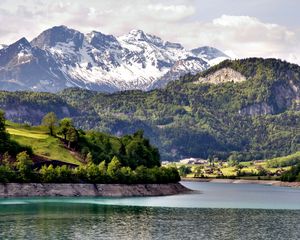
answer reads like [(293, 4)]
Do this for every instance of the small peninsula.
[(57, 159)]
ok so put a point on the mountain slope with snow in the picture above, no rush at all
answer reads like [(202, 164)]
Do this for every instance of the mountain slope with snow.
[(61, 57)]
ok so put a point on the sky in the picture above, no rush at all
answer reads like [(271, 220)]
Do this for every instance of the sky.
[(240, 28)]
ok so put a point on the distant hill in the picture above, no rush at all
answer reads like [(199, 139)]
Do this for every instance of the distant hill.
[(249, 109)]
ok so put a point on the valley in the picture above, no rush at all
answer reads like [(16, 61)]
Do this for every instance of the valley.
[(257, 118)]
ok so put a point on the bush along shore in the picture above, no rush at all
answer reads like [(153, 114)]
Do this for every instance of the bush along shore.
[(22, 172), (103, 163)]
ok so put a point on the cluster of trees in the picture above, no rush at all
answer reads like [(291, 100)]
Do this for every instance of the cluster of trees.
[(292, 175), (132, 150), (114, 172), (16, 171), (64, 128)]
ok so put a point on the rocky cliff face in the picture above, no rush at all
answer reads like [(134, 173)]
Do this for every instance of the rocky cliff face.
[(257, 109), (284, 95), (32, 107)]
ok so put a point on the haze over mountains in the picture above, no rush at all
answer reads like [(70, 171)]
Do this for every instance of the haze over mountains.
[(61, 57)]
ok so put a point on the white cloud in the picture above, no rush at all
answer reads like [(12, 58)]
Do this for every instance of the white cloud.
[(241, 36), (170, 12), (173, 20)]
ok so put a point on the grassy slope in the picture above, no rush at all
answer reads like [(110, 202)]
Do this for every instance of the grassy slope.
[(41, 143), (286, 159)]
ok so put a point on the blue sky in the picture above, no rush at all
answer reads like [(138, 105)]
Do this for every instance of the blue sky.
[(241, 28)]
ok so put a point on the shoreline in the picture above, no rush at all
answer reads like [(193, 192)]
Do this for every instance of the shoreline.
[(11, 190), (243, 181)]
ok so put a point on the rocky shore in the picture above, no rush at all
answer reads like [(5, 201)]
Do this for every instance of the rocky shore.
[(88, 190), (244, 181)]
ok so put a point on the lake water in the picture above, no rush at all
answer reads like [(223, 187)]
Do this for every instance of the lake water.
[(214, 211)]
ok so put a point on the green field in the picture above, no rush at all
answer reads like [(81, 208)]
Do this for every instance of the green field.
[(248, 170), (41, 143)]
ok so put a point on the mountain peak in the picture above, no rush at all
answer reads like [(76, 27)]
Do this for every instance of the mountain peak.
[(20, 47), (137, 36), (136, 32), (58, 34), (20, 44), (208, 53), (102, 41), (22, 41)]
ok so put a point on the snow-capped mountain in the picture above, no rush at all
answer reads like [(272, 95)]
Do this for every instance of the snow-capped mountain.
[(61, 57), (209, 54)]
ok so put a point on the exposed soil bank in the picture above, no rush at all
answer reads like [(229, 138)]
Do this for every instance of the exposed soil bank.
[(92, 190), (244, 181)]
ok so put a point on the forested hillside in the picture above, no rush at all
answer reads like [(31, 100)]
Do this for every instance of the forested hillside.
[(245, 108), (58, 152)]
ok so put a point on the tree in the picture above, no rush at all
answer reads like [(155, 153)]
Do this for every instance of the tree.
[(211, 160), (89, 158), (63, 127), (4, 136), (113, 168), (23, 165), (50, 121), (261, 171), (93, 173), (126, 175), (102, 167), (232, 163), (139, 134), (140, 152), (48, 174), (184, 170), (6, 159), (102, 171), (72, 136), (199, 171), (2, 121), (238, 169), (64, 174)]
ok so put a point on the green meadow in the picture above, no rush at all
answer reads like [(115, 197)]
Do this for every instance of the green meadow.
[(42, 144)]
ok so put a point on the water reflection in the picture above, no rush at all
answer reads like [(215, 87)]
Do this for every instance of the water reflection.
[(78, 221), (218, 211)]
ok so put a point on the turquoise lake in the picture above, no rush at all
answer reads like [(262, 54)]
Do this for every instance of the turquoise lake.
[(213, 211)]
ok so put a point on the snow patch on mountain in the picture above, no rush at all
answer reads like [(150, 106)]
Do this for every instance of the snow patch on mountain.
[(2, 46)]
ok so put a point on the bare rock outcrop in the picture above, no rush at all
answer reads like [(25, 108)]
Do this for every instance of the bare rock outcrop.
[(222, 76)]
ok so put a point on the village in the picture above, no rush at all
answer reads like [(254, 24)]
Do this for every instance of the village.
[(215, 168)]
